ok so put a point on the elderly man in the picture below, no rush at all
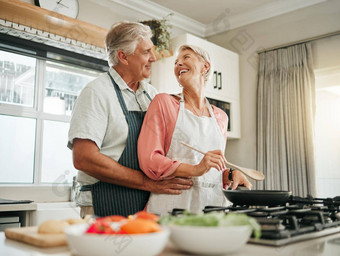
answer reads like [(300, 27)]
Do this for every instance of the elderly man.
[(105, 125)]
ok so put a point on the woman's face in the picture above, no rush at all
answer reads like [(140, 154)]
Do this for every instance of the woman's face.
[(189, 67)]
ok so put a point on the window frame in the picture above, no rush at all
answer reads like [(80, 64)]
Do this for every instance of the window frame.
[(43, 54)]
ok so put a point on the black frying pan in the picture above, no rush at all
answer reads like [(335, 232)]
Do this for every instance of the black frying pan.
[(257, 197)]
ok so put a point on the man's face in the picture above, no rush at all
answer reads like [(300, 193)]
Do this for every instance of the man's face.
[(140, 61)]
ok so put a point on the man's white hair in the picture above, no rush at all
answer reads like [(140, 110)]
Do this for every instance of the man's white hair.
[(125, 36)]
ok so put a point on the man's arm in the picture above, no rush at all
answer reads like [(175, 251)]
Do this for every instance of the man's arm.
[(87, 158)]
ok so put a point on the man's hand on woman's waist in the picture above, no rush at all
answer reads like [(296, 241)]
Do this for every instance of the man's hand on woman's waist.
[(172, 186)]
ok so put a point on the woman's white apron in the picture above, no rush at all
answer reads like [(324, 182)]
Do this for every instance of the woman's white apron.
[(204, 134)]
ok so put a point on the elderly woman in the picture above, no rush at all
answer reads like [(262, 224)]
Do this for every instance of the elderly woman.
[(188, 118), (105, 126)]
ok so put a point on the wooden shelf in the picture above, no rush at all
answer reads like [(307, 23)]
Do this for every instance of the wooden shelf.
[(35, 17)]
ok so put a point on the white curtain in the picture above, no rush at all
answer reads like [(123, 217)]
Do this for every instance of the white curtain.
[(285, 120)]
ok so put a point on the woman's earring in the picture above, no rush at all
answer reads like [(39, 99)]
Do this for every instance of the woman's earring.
[(206, 76)]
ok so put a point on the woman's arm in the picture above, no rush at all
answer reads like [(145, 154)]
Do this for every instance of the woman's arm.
[(155, 137)]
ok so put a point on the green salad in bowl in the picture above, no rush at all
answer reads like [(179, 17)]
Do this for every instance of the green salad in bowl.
[(211, 233)]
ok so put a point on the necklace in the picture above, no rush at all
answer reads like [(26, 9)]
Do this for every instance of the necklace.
[(194, 109)]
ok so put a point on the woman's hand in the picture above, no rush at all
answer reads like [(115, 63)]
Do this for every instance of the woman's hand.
[(238, 179), (211, 159)]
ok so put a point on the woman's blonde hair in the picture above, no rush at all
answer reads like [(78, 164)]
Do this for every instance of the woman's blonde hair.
[(203, 54), (124, 36)]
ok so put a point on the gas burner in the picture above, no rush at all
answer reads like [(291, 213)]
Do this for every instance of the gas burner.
[(300, 219)]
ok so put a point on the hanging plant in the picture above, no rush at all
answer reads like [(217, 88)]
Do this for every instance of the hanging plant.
[(161, 33)]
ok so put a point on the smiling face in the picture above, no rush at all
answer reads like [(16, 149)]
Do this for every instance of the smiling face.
[(140, 61), (190, 68)]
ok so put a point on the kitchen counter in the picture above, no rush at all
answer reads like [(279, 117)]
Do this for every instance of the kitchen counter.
[(324, 246), (18, 207)]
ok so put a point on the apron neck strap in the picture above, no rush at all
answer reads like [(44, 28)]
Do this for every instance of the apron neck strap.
[(181, 102), (147, 95), (119, 95), (209, 107)]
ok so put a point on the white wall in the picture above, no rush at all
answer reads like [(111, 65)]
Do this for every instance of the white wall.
[(326, 52), (309, 22)]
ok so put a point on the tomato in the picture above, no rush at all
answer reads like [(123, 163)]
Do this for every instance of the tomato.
[(112, 218), (121, 232), (100, 227), (146, 215), (140, 225), (140, 222)]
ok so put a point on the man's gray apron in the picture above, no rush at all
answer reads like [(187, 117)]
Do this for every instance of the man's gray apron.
[(111, 199)]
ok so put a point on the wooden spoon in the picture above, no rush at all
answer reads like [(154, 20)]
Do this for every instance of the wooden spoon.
[(253, 174)]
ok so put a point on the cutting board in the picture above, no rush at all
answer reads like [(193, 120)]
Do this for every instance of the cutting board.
[(31, 236)]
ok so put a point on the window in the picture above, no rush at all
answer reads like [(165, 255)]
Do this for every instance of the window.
[(36, 100), (17, 149), (62, 86), (17, 79), (327, 131), (56, 159)]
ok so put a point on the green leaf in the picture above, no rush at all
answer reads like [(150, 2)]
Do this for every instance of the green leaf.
[(213, 219)]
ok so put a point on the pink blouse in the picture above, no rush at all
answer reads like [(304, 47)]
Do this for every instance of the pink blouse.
[(156, 134)]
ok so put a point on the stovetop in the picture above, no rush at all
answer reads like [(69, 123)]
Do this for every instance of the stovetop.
[(299, 219)]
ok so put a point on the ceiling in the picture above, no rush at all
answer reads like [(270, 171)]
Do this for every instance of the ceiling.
[(207, 11), (205, 18)]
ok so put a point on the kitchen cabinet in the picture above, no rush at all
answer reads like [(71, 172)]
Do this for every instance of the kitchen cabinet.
[(34, 214), (18, 215), (223, 86)]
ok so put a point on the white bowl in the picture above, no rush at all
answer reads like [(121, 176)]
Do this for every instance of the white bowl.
[(209, 240), (115, 245)]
